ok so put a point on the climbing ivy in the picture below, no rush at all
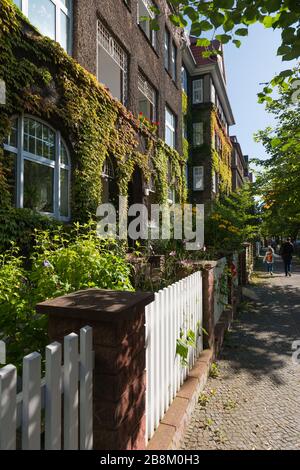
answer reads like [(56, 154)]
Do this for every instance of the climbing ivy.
[(44, 81), (221, 164)]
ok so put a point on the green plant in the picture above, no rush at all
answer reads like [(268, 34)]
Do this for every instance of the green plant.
[(214, 371), (184, 343), (61, 262), (230, 404), (20, 327), (203, 399)]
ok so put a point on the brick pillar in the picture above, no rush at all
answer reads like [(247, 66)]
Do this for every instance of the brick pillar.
[(208, 305), (118, 322)]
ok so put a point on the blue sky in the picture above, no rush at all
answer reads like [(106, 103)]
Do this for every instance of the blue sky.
[(254, 62)]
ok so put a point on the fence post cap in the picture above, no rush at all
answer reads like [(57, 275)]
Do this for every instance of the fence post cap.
[(97, 305)]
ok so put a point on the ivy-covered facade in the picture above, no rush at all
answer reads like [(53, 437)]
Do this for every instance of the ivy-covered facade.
[(209, 117), (60, 127)]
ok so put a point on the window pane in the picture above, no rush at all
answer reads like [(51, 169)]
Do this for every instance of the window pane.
[(38, 187), (64, 193), (18, 3), (11, 173), (63, 155), (167, 49), (198, 91), (39, 139), (64, 31), (12, 139), (198, 178), (41, 13)]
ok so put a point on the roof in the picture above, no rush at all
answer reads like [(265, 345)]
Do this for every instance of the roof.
[(198, 50)]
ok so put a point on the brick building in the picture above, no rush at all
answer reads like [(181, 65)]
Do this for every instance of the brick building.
[(208, 118), (239, 165)]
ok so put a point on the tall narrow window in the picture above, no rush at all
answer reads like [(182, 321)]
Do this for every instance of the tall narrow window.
[(51, 17), (173, 61), (198, 178), (167, 49), (147, 98), (112, 67), (39, 167), (145, 15), (198, 91), (170, 129), (108, 176), (212, 92), (184, 79), (197, 134)]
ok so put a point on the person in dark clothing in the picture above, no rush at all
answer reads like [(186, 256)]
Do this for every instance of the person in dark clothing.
[(286, 251)]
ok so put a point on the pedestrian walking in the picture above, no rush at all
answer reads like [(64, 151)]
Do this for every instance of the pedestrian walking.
[(269, 260), (286, 251)]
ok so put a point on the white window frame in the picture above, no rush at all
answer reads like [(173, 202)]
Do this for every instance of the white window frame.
[(148, 91), (148, 5), (184, 79), (198, 169), (117, 53), (198, 134), (56, 165), (170, 126), (59, 7), (198, 91)]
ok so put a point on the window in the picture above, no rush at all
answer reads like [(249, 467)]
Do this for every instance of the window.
[(184, 79), (170, 132), (145, 15), (108, 176), (198, 91), (198, 178), (51, 17), (184, 127), (39, 167), (112, 64), (167, 49), (197, 134), (212, 93), (173, 61), (147, 98), (215, 182)]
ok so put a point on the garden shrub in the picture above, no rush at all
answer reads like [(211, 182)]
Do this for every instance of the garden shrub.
[(17, 226), (62, 262)]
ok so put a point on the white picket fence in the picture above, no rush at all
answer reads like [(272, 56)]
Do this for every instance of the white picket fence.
[(68, 388), (220, 297), (175, 310)]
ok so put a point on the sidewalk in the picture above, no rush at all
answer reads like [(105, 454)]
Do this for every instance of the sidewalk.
[(255, 401)]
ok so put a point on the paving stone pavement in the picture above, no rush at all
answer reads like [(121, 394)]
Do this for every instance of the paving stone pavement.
[(255, 401)]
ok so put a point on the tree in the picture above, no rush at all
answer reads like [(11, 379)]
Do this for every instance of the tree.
[(229, 20), (233, 221), (278, 185)]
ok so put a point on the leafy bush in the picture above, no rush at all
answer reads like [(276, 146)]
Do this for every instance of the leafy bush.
[(20, 327), (61, 263), (17, 226)]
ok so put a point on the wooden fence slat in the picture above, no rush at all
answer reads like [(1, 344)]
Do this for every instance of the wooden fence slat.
[(157, 360), (8, 410), (31, 402), (86, 388), (53, 397), (70, 387)]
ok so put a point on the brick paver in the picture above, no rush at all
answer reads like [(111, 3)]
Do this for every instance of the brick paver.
[(255, 401)]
